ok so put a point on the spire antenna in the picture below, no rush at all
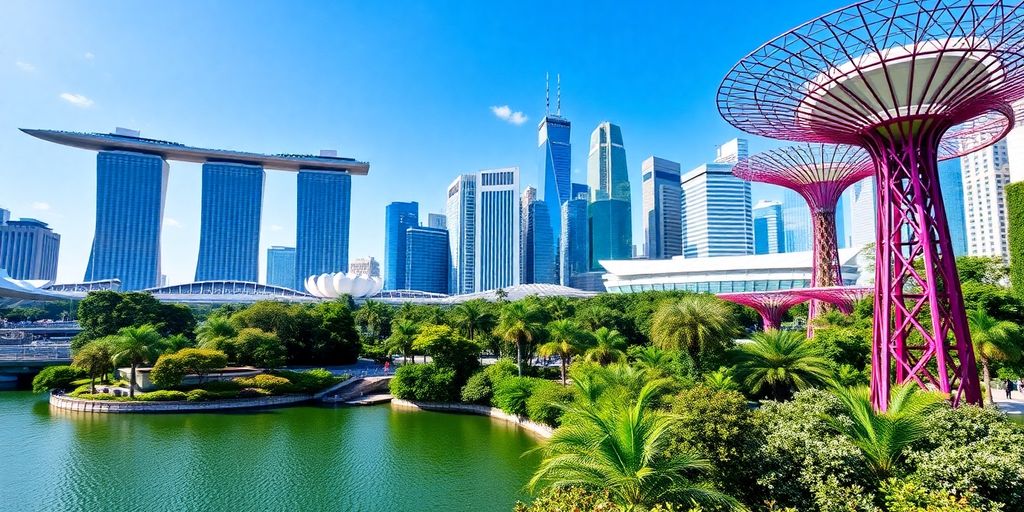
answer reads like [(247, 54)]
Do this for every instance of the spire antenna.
[(547, 93), (558, 96)]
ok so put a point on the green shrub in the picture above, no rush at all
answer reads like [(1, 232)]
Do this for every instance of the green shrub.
[(271, 383), (253, 393), (259, 348), (575, 499), (546, 401), (56, 377), (170, 369), (906, 496), (501, 370), (309, 381), (511, 394), (1015, 234), (200, 395), (425, 382), (162, 395), (478, 389), (102, 396), (217, 386)]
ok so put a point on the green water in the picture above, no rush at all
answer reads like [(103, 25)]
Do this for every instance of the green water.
[(299, 458)]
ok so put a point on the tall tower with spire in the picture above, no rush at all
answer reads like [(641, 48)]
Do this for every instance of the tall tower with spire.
[(555, 157)]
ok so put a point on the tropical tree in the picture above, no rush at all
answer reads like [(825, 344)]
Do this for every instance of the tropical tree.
[(883, 437), (653, 360), (993, 340), (95, 358), (135, 346), (566, 340), (520, 324), (721, 380), (403, 334), (780, 362), (375, 317), (607, 348), (621, 447), (473, 317), (698, 325), (214, 330)]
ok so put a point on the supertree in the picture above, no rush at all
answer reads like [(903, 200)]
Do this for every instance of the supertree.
[(771, 305), (894, 76), (819, 173), (842, 297)]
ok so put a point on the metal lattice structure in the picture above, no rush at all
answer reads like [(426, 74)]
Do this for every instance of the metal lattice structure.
[(894, 76), (842, 297), (772, 306), (819, 173)]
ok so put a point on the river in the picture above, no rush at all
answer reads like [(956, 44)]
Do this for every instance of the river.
[(298, 458)]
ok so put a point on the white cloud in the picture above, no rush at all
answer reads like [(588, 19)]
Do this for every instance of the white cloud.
[(40, 206), (76, 99), (171, 222), (505, 113), (89, 56), (276, 227), (25, 66)]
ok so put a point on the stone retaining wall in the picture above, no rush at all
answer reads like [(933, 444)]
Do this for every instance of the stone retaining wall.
[(110, 406), (538, 429)]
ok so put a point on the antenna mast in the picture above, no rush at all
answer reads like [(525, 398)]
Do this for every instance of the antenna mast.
[(558, 100), (547, 94)]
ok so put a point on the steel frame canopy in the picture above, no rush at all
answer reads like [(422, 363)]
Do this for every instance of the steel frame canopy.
[(894, 77), (842, 297), (771, 305)]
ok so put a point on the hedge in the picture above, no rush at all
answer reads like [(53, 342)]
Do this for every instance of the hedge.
[(1015, 234)]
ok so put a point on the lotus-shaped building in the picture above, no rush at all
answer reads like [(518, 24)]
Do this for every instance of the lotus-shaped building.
[(332, 286)]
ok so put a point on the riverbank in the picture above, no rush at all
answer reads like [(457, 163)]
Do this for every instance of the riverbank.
[(537, 429), (109, 406)]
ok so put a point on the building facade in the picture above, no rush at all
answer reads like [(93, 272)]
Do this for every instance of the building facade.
[(426, 260), (985, 175), (437, 221), (322, 223), (556, 164), (28, 248), (281, 267), (610, 212), (460, 217), (952, 186), (769, 229), (130, 193), (498, 229), (229, 236), (797, 222), (574, 252), (537, 247), (662, 203), (398, 217), (716, 211), (368, 266)]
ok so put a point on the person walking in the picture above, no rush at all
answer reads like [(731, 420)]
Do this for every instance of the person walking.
[(1008, 385)]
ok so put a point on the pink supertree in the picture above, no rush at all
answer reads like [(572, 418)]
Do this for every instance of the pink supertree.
[(894, 77), (819, 173), (771, 305), (842, 297)]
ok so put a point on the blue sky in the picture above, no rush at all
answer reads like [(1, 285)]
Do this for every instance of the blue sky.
[(407, 86)]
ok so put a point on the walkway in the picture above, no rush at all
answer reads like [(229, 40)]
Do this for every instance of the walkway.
[(1014, 406)]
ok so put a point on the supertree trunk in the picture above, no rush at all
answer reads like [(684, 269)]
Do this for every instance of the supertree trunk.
[(826, 269)]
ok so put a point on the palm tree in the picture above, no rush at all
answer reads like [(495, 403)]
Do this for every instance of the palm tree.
[(607, 348), (95, 359), (621, 447), (721, 380), (567, 340), (473, 317), (403, 333), (694, 324), (778, 362), (653, 359), (520, 324), (135, 346), (213, 330), (884, 437), (993, 339), (376, 316)]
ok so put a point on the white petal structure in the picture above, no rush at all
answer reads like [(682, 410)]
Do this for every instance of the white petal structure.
[(332, 286)]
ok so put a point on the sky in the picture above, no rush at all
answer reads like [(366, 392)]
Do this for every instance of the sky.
[(423, 91)]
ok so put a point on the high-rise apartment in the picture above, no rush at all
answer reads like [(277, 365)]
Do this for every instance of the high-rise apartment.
[(229, 236), (28, 248), (281, 267), (398, 217), (716, 211), (426, 260), (611, 227), (322, 227), (769, 232), (985, 174), (130, 193), (662, 202), (368, 266), (483, 218)]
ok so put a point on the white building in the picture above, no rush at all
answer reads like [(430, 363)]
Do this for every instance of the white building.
[(368, 266), (716, 209), (483, 230), (985, 174), (662, 201)]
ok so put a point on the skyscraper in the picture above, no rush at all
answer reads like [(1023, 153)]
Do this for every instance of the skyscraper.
[(398, 217), (426, 260), (537, 249), (322, 223), (952, 186), (28, 248), (281, 267), (556, 162), (483, 218), (717, 217), (611, 227), (574, 254), (461, 219), (769, 232), (229, 238), (579, 191), (130, 192), (985, 175), (368, 266), (797, 219), (437, 221), (862, 212), (662, 203)]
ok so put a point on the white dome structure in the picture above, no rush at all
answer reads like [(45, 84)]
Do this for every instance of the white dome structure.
[(332, 286)]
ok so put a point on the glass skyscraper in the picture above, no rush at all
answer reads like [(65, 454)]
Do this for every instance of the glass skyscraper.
[(662, 202), (797, 219), (322, 222), (426, 260), (28, 248), (717, 217), (398, 217), (611, 226), (484, 230), (556, 162), (229, 238), (130, 193), (952, 186), (538, 247), (281, 268), (461, 220), (769, 232), (574, 254)]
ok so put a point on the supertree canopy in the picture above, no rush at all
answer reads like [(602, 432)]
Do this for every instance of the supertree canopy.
[(819, 173), (842, 297), (771, 305), (894, 76)]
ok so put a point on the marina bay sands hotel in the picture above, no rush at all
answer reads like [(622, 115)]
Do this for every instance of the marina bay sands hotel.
[(131, 185)]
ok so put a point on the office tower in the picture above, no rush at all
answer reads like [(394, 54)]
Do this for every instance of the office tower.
[(398, 217), (985, 175), (574, 252), (579, 191), (426, 260), (28, 248), (322, 222), (460, 211), (717, 217), (437, 221), (769, 233), (662, 202), (281, 267), (483, 218), (537, 249), (862, 212), (229, 237), (952, 187), (842, 218), (366, 266), (797, 219), (130, 192), (528, 196), (556, 162), (611, 227)]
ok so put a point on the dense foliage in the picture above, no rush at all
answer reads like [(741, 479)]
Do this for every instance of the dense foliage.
[(171, 368), (1015, 233)]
